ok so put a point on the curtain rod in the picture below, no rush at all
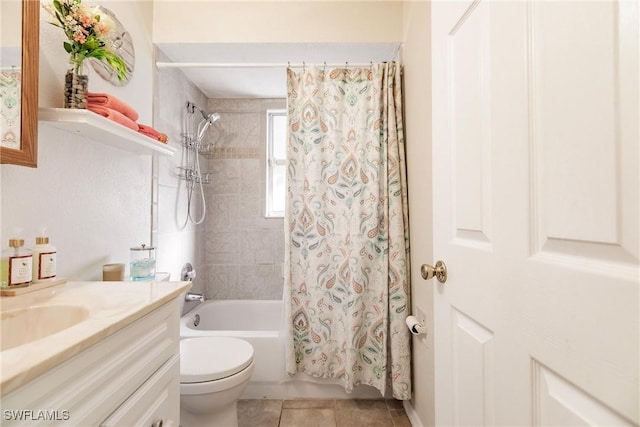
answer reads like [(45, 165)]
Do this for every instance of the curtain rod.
[(258, 64)]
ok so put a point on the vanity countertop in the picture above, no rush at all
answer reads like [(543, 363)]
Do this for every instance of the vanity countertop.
[(105, 308)]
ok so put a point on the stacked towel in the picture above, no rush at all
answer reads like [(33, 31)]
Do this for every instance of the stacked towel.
[(152, 133), (110, 101), (114, 115), (120, 112), (148, 131)]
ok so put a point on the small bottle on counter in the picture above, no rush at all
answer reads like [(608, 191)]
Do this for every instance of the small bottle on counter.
[(44, 260), (16, 265)]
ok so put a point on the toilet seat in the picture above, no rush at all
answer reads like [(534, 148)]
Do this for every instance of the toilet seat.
[(205, 359)]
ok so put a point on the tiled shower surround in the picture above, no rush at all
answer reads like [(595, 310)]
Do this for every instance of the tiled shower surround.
[(244, 251)]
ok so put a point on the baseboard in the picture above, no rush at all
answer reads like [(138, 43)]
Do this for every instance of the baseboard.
[(412, 414)]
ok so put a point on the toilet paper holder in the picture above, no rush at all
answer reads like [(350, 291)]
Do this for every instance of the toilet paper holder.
[(414, 325)]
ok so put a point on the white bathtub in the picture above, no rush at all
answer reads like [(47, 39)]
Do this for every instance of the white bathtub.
[(258, 322)]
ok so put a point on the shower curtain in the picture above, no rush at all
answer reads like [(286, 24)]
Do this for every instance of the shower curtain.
[(347, 241)]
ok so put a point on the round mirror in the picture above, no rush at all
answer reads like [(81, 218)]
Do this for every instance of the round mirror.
[(122, 45)]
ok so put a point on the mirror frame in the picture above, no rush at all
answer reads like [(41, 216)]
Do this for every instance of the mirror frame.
[(27, 155)]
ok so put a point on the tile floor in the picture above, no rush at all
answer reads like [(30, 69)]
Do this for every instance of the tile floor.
[(321, 413)]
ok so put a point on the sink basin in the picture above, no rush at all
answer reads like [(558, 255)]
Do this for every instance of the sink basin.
[(29, 324)]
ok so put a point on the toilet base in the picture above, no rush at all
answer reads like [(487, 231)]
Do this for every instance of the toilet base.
[(213, 409), (226, 417), (212, 403)]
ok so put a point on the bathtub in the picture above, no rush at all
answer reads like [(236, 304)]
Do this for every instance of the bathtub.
[(259, 322)]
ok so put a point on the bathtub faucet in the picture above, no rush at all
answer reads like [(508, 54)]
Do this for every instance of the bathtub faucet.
[(192, 296)]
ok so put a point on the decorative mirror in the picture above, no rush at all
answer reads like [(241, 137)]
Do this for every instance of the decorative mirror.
[(19, 82), (121, 44)]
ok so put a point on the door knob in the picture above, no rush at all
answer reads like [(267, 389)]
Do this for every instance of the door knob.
[(439, 271)]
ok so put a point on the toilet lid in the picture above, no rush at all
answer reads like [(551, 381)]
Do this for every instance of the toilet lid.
[(212, 358)]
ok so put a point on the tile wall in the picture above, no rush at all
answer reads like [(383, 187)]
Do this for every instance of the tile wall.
[(244, 251), (178, 241)]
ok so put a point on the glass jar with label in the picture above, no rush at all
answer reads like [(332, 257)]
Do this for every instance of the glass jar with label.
[(44, 260), (143, 262), (16, 265)]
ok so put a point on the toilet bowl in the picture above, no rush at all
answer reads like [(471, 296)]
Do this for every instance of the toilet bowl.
[(214, 371)]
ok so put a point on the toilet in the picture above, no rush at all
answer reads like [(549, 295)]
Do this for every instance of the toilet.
[(214, 371)]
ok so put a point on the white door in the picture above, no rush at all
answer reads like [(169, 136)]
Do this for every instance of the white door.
[(536, 188)]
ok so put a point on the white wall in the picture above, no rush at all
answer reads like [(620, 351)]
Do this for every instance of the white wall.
[(10, 18), (416, 54), (277, 21), (94, 199), (136, 16), (178, 241)]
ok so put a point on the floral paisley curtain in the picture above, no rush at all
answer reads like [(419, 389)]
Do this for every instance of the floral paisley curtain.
[(347, 241)]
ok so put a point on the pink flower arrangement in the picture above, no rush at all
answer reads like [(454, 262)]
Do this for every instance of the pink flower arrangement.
[(87, 30)]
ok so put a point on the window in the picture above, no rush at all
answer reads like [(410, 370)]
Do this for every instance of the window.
[(276, 162)]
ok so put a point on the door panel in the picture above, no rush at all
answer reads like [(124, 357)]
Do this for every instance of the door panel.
[(536, 212), (577, 76), (470, 106), (558, 402), (473, 371)]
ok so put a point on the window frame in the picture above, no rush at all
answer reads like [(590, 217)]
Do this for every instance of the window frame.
[(273, 161)]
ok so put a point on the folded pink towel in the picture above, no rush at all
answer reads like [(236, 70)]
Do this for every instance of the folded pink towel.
[(114, 115), (148, 131), (149, 134), (110, 101)]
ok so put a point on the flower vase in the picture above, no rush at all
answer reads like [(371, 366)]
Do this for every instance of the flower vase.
[(76, 85)]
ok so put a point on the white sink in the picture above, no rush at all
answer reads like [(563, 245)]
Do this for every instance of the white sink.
[(25, 325)]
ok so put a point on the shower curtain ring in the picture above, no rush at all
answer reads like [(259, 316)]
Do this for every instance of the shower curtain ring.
[(324, 67), (304, 67)]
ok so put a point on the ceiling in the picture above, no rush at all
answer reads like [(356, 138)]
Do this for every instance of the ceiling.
[(263, 82)]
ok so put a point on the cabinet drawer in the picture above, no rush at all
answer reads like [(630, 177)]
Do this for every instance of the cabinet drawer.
[(157, 399), (87, 388)]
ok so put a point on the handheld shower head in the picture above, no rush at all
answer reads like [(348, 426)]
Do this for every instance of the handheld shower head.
[(206, 122), (207, 119), (211, 118)]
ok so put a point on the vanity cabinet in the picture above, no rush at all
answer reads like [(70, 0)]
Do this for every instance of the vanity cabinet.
[(130, 378)]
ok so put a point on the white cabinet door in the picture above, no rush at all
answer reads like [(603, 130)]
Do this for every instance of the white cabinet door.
[(536, 186), (155, 404)]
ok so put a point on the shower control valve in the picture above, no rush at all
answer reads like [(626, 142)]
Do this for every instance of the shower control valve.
[(188, 273)]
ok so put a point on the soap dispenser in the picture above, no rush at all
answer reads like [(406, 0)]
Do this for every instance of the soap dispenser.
[(44, 259), (16, 265)]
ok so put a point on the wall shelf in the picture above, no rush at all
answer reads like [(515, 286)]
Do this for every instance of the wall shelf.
[(101, 129)]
